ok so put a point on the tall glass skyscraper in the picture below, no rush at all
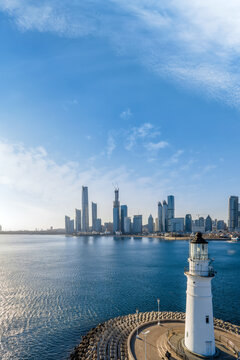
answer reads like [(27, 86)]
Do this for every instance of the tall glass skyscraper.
[(171, 210), (85, 210), (94, 216), (233, 213), (150, 224), (116, 212), (78, 220), (124, 213), (188, 223), (159, 228), (165, 216)]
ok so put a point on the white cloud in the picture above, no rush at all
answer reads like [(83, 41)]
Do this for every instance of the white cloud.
[(111, 145), (194, 43), (126, 114), (136, 133), (156, 146)]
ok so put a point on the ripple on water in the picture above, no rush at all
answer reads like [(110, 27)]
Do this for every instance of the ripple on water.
[(54, 289)]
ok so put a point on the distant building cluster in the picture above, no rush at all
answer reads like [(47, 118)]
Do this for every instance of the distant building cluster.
[(165, 222)]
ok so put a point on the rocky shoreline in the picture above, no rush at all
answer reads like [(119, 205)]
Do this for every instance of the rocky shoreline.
[(111, 336)]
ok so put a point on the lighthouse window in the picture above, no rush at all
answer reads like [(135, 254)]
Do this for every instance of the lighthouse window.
[(207, 319)]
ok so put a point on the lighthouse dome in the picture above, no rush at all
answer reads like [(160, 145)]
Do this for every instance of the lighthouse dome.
[(198, 239)]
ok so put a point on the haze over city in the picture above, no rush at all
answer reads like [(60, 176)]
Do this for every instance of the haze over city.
[(91, 95)]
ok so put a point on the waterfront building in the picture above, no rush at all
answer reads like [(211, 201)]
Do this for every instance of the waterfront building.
[(116, 212), (221, 225), (196, 227), (238, 216), (164, 217), (208, 224), (108, 227), (127, 225), (176, 225), (77, 220), (188, 223), (232, 213), (98, 225), (150, 224), (159, 227), (201, 221), (85, 210), (170, 209), (156, 225), (67, 224), (94, 216), (137, 224), (71, 227), (199, 327), (124, 213)]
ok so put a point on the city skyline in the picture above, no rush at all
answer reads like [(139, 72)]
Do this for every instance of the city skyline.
[(85, 100)]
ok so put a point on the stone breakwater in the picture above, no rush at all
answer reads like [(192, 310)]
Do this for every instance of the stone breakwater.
[(109, 339)]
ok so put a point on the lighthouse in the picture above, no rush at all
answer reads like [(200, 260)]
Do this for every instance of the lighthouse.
[(199, 329)]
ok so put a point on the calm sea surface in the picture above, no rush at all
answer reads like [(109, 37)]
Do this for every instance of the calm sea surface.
[(55, 288)]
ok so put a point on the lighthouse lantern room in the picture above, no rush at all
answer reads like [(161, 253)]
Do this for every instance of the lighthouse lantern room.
[(199, 328)]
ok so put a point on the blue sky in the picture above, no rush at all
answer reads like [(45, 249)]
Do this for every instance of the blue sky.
[(134, 93)]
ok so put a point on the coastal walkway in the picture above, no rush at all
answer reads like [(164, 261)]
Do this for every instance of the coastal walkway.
[(116, 339)]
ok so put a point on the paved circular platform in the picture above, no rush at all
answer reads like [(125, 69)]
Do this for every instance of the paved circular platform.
[(116, 339)]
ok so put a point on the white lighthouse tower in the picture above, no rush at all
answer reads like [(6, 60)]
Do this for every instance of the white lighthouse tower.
[(199, 329)]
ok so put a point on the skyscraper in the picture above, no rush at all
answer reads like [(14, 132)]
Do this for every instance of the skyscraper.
[(127, 225), (159, 216), (78, 220), (124, 213), (137, 224), (150, 224), (208, 223), (67, 224), (94, 216), (164, 217), (170, 210), (85, 210), (188, 223), (233, 213), (116, 212)]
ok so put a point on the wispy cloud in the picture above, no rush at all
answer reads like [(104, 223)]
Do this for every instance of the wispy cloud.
[(126, 114), (141, 132), (194, 43), (111, 144), (156, 146)]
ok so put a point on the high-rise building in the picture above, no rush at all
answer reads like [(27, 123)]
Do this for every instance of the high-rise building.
[(150, 224), (137, 224), (98, 225), (94, 216), (201, 221), (221, 225), (67, 224), (208, 223), (71, 225), (77, 220), (85, 210), (176, 225), (116, 212), (159, 216), (127, 225), (233, 213), (164, 217), (188, 223), (156, 225), (124, 213), (170, 209)]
